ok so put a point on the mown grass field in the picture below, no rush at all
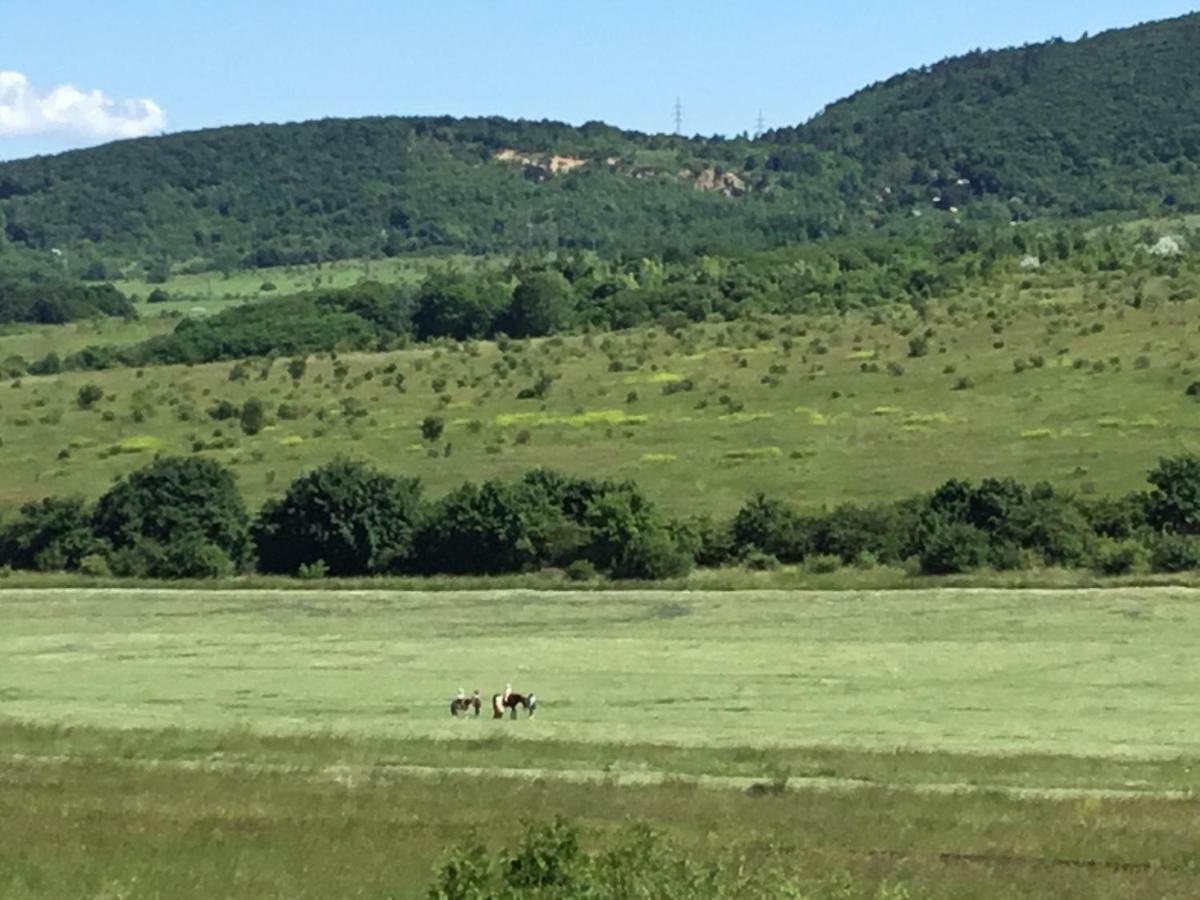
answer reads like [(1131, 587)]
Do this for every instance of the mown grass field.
[(947, 743), (818, 410), (1084, 673)]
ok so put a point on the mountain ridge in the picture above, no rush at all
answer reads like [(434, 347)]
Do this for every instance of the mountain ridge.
[(1109, 124)]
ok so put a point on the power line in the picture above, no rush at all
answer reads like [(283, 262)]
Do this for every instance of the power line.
[(760, 125), (678, 116)]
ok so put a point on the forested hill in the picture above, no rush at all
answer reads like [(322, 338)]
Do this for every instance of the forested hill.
[(338, 188), (1110, 123)]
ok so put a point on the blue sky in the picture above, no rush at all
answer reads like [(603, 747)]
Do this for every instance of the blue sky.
[(181, 65)]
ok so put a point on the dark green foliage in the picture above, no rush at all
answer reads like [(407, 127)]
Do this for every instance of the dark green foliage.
[(339, 188), (1174, 504), (628, 539), (850, 531), (952, 548), (48, 535), (432, 428), (1115, 517), (492, 527), (357, 521), (541, 304), (454, 305), (87, 396), (1119, 557), (1174, 553), (551, 863), (223, 410), (253, 416), (183, 518), (54, 301), (170, 513), (581, 570), (715, 545), (771, 527), (186, 556)]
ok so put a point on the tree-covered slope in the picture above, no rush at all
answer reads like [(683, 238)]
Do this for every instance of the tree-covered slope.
[(1110, 122), (332, 189)]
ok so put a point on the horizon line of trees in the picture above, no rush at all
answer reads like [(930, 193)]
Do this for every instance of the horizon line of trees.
[(183, 517)]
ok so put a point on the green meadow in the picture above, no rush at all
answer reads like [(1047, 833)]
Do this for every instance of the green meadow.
[(847, 744), (1081, 384)]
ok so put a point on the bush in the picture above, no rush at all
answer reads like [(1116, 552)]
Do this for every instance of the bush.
[(1113, 557), (89, 395), (714, 541), (491, 528), (549, 862), (312, 571), (187, 556), (653, 555), (582, 570), (757, 561), (953, 548), (1174, 553), (432, 428), (253, 416), (1174, 504), (823, 563), (50, 535), (95, 565), (770, 526)]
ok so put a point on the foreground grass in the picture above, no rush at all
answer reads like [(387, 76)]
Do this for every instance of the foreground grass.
[(732, 578), (138, 831), (803, 408), (919, 744)]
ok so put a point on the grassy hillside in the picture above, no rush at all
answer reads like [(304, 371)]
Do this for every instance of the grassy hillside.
[(1106, 124), (1079, 379)]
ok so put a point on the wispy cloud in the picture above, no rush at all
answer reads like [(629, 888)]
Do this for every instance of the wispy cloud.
[(67, 111)]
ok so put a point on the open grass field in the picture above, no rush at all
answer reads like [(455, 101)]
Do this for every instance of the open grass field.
[(1039, 379), (1083, 673), (296, 744), (188, 290)]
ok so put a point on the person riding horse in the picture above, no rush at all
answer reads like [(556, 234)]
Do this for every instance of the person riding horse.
[(510, 701), (461, 703)]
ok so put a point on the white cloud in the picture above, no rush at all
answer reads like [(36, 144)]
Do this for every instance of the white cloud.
[(67, 111)]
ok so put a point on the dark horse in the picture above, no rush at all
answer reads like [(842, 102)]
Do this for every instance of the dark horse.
[(465, 704), (500, 703)]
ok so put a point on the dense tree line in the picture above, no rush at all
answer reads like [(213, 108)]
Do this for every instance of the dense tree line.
[(183, 517), (53, 302), (1104, 124)]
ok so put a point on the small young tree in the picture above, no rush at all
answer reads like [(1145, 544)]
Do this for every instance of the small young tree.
[(89, 395), (432, 428), (253, 416)]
